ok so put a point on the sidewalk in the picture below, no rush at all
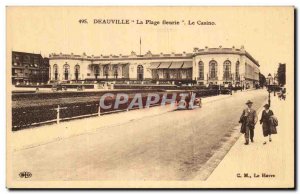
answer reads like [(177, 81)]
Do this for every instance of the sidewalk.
[(44, 134), (273, 159)]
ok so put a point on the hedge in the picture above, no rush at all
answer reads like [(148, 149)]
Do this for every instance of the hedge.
[(23, 117)]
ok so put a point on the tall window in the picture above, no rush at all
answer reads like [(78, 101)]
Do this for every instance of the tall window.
[(175, 73), (125, 71), (189, 73), (77, 72), (97, 71), (55, 72), (116, 71), (179, 74), (105, 71), (213, 69), (155, 74), (166, 74), (66, 71), (237, 70), (140, 72), (227, 70), (201, 70)]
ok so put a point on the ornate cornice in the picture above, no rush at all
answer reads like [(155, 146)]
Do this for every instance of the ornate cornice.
[(150, 56)]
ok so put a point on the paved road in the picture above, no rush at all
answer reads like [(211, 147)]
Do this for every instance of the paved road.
[(171, 146)]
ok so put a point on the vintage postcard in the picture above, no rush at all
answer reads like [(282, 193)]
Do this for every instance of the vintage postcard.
[(150, 97)]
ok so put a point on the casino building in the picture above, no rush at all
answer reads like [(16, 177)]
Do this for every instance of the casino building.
[(203, 66)]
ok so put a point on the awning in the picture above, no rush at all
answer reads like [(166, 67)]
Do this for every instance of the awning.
[(154, 65), (187, 65), (176, 65), (164, 65)]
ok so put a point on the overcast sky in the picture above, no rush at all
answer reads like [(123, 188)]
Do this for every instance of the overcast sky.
[(266, 33)]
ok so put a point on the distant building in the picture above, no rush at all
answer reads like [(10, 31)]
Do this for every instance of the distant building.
[(203, 66), (29, 68)]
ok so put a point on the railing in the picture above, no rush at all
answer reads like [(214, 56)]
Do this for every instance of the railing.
[(172, 79), (213, 78), (32, 116), (24, 117), (200, 78), (227, 79)]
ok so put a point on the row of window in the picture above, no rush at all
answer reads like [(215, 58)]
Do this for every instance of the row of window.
[(21, 72), (66, 67), (27, 58), (213, 70), (25, 65)]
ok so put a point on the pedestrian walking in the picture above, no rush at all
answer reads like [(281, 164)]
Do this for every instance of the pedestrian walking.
[(248, 120), (269, 123)]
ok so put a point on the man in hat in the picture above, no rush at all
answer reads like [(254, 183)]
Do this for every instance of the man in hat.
[(248, 120)]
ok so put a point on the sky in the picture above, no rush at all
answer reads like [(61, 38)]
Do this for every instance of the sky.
[(265, 32)]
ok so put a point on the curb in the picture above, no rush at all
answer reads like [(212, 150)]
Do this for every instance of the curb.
[(208, 168)]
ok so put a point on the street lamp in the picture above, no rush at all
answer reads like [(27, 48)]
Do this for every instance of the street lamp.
[(274, 81), (269, 89)]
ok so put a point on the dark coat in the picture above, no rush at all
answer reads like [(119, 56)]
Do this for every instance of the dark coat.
[(248, 119), (273, 124), (267, 125)]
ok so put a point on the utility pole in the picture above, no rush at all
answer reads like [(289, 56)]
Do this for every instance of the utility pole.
[(269, 89)]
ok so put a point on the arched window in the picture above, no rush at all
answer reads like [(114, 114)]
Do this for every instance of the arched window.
[(55, 72), (213, 70), (66, 71), (77, 72), (201, 70), (140, 72), (227, 70), (237, 70), (115, 71), (96, 71), (105, 71)]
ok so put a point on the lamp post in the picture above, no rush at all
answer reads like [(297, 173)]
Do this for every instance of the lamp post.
[(269, 89), (274, 84), (207, 78)]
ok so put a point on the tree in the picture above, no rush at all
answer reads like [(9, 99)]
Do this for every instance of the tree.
[(281, 74), (262, 80)]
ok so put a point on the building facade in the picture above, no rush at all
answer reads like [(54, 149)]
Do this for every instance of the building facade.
[(202, 66), (29, 68)]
